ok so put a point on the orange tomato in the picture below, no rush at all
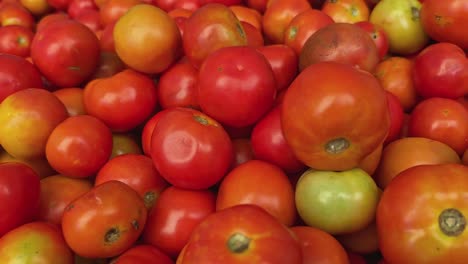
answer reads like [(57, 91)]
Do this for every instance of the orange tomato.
[(346, 11), (72, 98), (36, 7)]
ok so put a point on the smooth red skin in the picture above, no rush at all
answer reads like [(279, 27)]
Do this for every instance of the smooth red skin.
[(166, 5), (106, 40), (148, 129), (16, 73), (254, 35), (16, 40), (135, 170), (38, 242), (444, 21), (15, 14), (378, 35), (50, 19), (109, 65), (66, 53), (177, 86), (259, 5), (242, 151), (188, 4), (19, 195), (236, 86), (269, 144), (189, 154), (441, 119), (82, 138), (72, 98), (396, 118), (57, 191), (61, 5), (91, 19), (283, 61), (271, 241), (143, 254), (432, 76), (131, 92), (180, 21), (175, 215), (78, 6)]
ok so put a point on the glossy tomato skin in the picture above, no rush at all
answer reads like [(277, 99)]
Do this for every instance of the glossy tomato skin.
[(66, 53), (35, 242), (79, 146), (396, 117), (241, 234), (16, 40), (143, 254), (175, 215), (412, 216), (269, 144), (148, 129), (105, 221), (332, 123), (250, 77), (444, 21), (378, 35), (190, 149), (432, 77), (19, 197), (133, 93), (72, 98)]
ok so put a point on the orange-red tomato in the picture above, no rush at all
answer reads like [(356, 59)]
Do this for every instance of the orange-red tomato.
[(72, 98), (346, 11), (112, 10), (143, 254), (248, 14)]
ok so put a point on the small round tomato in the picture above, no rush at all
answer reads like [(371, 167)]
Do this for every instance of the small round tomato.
[(19, 198), (16, 40), (343, 202), (259, 182), (346, 11), (72, 98), (421, 217), (175, 215), (143, 254), (76, 7), (241, 234), (190, 149), (105, 221), (378, 35), (138, 172), (79, 146), (13, 13)]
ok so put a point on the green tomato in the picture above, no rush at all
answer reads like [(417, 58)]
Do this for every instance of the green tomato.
[(337, 202), (401, 21)]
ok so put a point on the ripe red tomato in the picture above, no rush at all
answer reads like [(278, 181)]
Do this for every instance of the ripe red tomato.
[(112, 10), (76, 7), (138, 172), (79, 146), (19, 197), (236, 86), (133, 93), (421, 216), (13, 13), (378, 35), (66, 53), (16, 40), (35, 242), (190, 149), (260, 183), (396, 117), (175, 215), (433, 77), (241, 234), (147, 131), (72, 98), (105, 221), (143, 254), (337, 123)]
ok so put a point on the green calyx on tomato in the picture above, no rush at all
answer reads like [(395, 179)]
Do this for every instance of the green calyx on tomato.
[(452, 222), (238, 243), (337, 145), (204, 120)]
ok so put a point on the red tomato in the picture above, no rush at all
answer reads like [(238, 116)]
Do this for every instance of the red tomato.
[(66, 53), (90, 18), (105, 221), (441, 119), (421, 216), (19, 196), (35, 242), (236, 86), (243, 151), (13, 13), (72, 98), (148, 129), (138, 172), (175, 215), (441, 70), (396, 117), (17, 74), (346, 11), (143, 254), (57, 192), (79, 146), (50, 19), (269, 144), (337, 123), (77, 7), (190, 149), (319, 247), (378, 35), (177, 86), (133, 93), (254, 35), (241, 234), (283, 62), (112, 10), (16, 40)]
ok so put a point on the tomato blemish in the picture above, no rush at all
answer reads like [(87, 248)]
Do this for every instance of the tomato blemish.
[(238, 243), (112, 235)]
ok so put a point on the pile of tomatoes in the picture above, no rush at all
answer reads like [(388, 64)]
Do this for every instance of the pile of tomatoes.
[(233, 131)]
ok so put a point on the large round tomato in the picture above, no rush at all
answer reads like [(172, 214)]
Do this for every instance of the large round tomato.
[(333, 115), (105, 221), (421, 217), (241, 234), (190, 149), (19, 196)]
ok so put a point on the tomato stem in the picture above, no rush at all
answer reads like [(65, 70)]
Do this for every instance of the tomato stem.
[(238, 243), (337, 145), (452, 222)]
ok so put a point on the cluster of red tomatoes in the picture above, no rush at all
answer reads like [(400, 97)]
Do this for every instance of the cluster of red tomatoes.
[(233, 131)]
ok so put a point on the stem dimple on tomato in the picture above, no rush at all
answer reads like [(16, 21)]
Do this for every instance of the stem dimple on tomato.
[(452, 222), (238, 243), (337, 145), (112, 235)]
